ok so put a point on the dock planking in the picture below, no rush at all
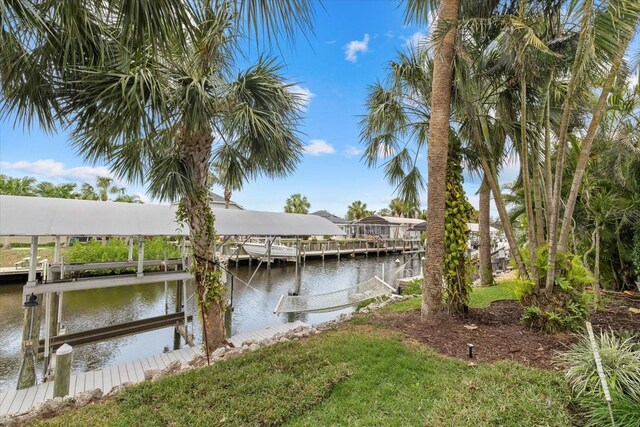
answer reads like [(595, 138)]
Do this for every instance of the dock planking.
[(16, 401)]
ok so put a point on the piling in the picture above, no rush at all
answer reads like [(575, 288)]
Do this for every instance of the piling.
[(30, 338), (291, 317), (64, 356), (179, 292), (227, 319)]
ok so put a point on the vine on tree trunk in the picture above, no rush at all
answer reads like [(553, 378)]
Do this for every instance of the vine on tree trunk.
[(458, 210)]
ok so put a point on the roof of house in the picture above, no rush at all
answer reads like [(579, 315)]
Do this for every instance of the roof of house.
[(218, 199), (331, 217), (42, 216)]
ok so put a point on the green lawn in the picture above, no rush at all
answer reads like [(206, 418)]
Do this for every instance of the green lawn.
[(480, 297), (353, 376)]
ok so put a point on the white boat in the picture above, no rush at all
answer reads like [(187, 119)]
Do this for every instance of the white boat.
[(259, 250)]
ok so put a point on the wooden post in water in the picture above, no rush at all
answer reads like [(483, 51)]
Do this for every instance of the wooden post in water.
[(338, 244), (269, 241), (64, 356), (31, 324), (140, 271), (227, 319), (27, 374), (176, 335)]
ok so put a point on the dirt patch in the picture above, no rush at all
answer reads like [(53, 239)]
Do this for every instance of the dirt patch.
[(497, 333), (617, 315)]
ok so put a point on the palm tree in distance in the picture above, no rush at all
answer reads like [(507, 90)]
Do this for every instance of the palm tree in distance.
[(17, 186), (297, 204), (397, 207), (87, 192), (105, 187), (355, 212), (149, 92)]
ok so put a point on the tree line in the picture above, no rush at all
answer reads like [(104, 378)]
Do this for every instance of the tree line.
[(104, 189)]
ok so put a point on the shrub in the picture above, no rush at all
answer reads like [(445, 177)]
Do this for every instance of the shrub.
[(626, 411), (620, 355), (414, 287), (566, 307), (118, 250), (620, 363)]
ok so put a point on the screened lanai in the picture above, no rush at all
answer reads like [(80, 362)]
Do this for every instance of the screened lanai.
[(387, 227)]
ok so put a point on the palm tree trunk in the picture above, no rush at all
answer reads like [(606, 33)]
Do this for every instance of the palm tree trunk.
[(548, 179), (596, 269), (562, 139), (437, 161), (504, 217), (196, 151), (526, 182), (538, 181), (585, 152), (484, 249), (227, 198)]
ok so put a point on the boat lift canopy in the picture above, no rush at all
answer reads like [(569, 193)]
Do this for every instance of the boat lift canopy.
[(41, 216)]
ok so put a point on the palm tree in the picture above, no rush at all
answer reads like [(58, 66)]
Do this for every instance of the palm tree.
[(148, 91), (103, 184), (397, 207), (128, 198), (60, 191), (17, 186), (297, 204), (610, 30), (625, 22), (87, 192), (438, 145), (384, 212), (484, 247), (355, 212)]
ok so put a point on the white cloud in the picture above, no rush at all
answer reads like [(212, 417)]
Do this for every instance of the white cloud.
[(389, 34), (304, 95), (354, 47), (352, 151), (51, 168), (330, 42), (385, 151), (416, 40), (317, 147)]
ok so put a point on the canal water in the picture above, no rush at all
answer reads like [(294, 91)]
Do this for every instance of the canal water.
[(253, 309)]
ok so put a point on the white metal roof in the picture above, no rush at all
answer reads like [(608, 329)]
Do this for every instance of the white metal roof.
[(392, 220), (40, 216)]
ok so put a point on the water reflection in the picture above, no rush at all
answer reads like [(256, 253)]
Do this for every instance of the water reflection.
[(253, 309)]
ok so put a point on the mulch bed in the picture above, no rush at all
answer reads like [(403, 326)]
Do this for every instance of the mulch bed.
[(497, 333)]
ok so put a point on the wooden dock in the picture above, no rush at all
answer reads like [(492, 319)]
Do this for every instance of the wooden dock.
[(16, 401)]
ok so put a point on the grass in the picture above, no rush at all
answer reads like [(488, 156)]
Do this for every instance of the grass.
[(483, 297), (480, 297), (8, 257), (353, 376)]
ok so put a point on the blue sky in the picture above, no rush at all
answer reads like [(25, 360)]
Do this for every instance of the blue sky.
[(352, 44)]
